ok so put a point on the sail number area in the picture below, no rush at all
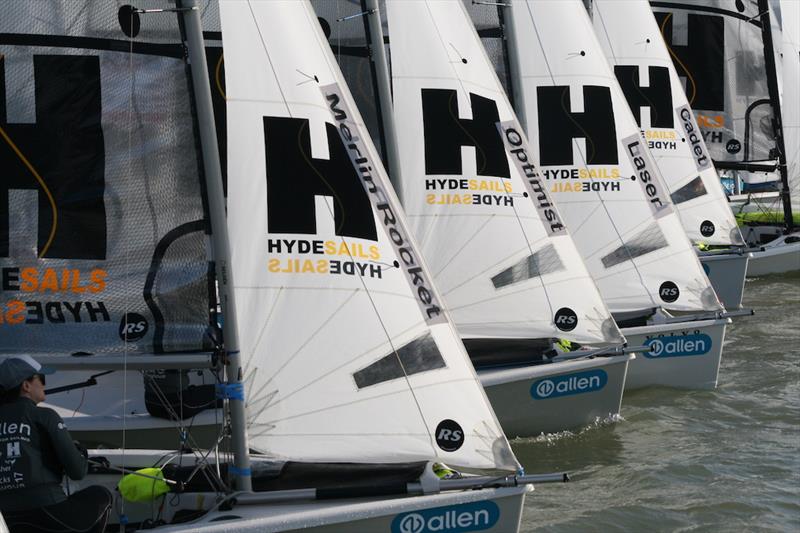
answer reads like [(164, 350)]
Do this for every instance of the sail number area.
[(351, 252), (30, 284)]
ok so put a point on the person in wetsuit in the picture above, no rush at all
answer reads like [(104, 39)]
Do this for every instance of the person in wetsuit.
[(35, 451)]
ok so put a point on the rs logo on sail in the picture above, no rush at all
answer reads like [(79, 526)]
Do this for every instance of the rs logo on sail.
[(476, 516), (678, 346), (577, 383)]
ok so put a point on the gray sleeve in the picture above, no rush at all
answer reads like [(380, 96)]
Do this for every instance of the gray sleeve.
[(75, 464)]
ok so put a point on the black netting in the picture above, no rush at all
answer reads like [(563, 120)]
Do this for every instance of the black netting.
[(100, 172)]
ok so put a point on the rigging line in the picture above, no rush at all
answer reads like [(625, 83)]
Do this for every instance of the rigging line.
[(675, 58), (218, 75), (508, 104), (46, 190), (585, 165)]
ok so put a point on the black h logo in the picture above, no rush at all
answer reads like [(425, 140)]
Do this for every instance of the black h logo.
[(701, 61), (294, 178), (558, 125), (657, 95), (66, 151), (445, 134)]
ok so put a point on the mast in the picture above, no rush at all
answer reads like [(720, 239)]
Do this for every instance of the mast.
[(774, 96), (517, 93), (219, 236), (378, 56)]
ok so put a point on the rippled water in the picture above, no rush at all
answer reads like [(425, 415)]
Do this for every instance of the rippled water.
[(722, 460)]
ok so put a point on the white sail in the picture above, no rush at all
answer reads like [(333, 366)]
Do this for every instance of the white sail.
[(598, 166), (502, 258), (790, 105), (633, 45), (349, 356)]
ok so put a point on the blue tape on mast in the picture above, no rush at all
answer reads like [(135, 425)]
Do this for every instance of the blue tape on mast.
[(230, 391), (239, 471)]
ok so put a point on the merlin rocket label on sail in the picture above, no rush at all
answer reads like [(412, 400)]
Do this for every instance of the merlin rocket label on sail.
[(694, 137), (517, 148), (646, 174), (383, 205), (476, 516), (569, 384), (678, 346)]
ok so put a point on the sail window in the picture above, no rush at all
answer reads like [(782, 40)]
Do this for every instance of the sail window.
[(691, 190), (648, 241), (545, 261), (419, 355)]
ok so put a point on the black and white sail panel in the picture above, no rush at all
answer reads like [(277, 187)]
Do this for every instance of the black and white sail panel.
[(718, 51), (102, 225)]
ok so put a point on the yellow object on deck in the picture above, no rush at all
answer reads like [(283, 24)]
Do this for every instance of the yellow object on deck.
[(144, 485)]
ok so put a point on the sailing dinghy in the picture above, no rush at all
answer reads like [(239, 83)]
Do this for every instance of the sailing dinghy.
[(633, 45), (354, 377), (729, 62), (612, 197), (509, 272)]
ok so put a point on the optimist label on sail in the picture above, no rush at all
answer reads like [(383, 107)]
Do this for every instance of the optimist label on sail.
[(647, 175), (694, 137), (375, 185), (476, 516), (517, 147)]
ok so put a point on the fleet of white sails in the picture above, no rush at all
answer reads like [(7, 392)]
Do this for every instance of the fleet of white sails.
[(548, 220)]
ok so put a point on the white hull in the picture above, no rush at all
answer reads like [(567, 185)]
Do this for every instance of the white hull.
[(777, 257), (687, 354), (496, 510), (527, 401), (726, 273)]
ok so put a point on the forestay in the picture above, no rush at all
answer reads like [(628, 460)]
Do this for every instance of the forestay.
[(598, 166), (349, 354), (718, 52), (632, 43), (103, 235), (502, 257), (790, 105)]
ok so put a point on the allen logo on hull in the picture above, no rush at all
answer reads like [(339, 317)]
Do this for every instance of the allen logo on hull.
[(678, 346), (569, 384), (477, 516)]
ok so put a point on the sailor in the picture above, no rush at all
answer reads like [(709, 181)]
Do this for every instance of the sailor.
[(35, 451)]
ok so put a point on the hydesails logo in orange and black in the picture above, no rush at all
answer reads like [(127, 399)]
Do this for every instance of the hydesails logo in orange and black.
[(52, 153)]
